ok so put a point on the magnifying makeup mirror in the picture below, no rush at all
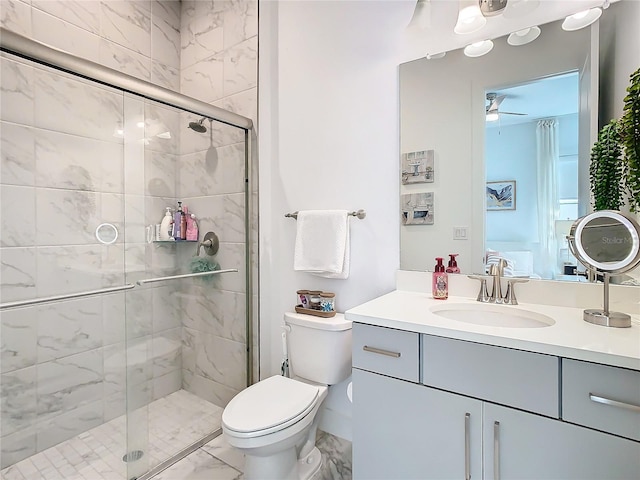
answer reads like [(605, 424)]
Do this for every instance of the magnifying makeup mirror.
[(608, 242)]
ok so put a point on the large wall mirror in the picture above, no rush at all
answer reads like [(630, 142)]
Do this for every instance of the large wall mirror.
[(510, 184)]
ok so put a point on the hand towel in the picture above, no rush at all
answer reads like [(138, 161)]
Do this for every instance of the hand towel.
[(322, 243)]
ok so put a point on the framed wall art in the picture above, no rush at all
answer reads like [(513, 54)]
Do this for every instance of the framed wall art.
[(417, 167), (501, 195), (417, 208)]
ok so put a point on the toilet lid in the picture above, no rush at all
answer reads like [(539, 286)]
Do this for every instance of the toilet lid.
[(271, 402)]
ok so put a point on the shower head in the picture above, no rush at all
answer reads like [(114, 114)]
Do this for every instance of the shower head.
[(198, 126)]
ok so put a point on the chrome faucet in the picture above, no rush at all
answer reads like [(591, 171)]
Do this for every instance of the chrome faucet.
[(497, 271)]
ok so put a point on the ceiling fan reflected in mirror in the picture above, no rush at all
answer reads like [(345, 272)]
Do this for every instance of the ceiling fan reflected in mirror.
[(493, 111)]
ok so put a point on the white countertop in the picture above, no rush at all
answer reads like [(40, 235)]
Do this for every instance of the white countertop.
[(569, 337)]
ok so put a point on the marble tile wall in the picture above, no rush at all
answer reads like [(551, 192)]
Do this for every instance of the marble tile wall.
[(219, 66), (140, 38), (65, 166), (69, 366)]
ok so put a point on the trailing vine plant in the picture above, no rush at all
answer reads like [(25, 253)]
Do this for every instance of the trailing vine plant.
[(630, 135), (606, 169)]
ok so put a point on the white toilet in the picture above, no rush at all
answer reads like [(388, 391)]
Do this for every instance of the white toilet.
[(274, 421)]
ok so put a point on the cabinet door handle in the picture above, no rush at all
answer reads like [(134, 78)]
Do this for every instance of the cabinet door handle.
[(614, 403), (380, 351), (467, 450), (496, 450)]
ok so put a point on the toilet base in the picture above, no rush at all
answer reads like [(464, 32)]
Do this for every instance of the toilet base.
[(310, 465), (284, 466)]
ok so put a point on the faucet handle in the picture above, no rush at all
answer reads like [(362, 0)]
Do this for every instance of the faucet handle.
[(510, 296), (483, 294)]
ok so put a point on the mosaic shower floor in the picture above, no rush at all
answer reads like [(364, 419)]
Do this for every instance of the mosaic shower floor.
[(175, 421)]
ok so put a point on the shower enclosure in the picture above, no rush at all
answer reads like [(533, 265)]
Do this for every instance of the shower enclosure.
[(116, 360)]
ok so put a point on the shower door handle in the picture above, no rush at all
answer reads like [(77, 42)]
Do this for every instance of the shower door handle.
[(187, 275), (57, 298)]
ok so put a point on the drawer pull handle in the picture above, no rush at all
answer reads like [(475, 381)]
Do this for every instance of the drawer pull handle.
[(467, 447), (496, 450), (388, 353), (614, 403)]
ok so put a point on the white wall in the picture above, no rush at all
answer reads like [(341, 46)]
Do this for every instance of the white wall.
[(328, 140)]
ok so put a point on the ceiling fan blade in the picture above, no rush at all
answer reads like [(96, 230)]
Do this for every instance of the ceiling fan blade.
[(495, 103)]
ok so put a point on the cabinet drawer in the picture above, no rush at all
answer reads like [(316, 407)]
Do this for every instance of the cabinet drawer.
[(601, 397), (386, 351), (525, 380)]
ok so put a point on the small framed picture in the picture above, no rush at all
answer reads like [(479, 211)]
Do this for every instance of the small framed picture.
[(501, 195), (417, 167), (417, 208)]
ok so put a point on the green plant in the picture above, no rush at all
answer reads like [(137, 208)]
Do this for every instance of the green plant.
[(606, 169), (630, 134)]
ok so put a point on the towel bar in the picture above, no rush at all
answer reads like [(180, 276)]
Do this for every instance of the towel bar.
[(360, 214)]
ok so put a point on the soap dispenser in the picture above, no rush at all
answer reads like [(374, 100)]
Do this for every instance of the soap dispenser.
[(452, 266), (440, 281)]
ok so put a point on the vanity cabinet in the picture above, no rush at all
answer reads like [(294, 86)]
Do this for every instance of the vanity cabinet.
[(402, 430), (474, 411)]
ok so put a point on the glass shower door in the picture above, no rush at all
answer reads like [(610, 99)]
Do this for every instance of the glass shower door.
[(186, 337)]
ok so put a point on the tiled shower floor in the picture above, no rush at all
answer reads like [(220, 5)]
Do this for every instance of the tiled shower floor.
[(175, 421)]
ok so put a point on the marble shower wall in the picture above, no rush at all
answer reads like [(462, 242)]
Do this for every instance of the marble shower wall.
[(140, 38), (63, 368), (219, 66), (65, 169)]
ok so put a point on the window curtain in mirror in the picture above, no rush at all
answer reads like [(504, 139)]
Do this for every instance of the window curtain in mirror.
[(548, 205)]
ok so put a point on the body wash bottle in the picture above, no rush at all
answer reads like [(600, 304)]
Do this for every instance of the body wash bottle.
[(177, 221), (166, 226), (440, 281)]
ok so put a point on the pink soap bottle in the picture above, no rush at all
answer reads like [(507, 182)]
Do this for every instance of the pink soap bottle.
[(440, 281), (452, 267)]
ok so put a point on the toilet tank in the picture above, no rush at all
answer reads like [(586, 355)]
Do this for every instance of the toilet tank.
[(319, 348)]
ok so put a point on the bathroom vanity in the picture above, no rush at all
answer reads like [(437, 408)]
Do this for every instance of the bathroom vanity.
[(440, 398)]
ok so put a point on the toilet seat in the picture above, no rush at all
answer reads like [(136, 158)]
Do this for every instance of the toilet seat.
[(268, 406)]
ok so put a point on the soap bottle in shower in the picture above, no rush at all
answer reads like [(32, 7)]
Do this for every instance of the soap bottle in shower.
[(166, 226), (192, 228), (183, 223), (177, 222), (440, 281)]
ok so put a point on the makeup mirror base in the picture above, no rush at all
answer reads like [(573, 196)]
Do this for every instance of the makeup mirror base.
[(612, 319)]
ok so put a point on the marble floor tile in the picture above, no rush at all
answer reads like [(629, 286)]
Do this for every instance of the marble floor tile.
[(220, 448), (174, 422), (200, 465)]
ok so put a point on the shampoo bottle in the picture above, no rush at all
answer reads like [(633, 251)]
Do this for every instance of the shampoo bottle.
[(192, 228), (166, 226), (183, 223), (452, 266), (440, 282), (177, 221)]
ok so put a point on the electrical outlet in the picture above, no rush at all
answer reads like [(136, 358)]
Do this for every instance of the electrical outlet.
[(460, 233)]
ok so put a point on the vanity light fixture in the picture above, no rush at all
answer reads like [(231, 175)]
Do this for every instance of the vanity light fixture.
[(524, 36), (491, 8), (470, 18), (520, 8), (478, 49), (581, 19)]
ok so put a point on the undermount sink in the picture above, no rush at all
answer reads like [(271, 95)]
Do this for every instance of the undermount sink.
[(491, 315)]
